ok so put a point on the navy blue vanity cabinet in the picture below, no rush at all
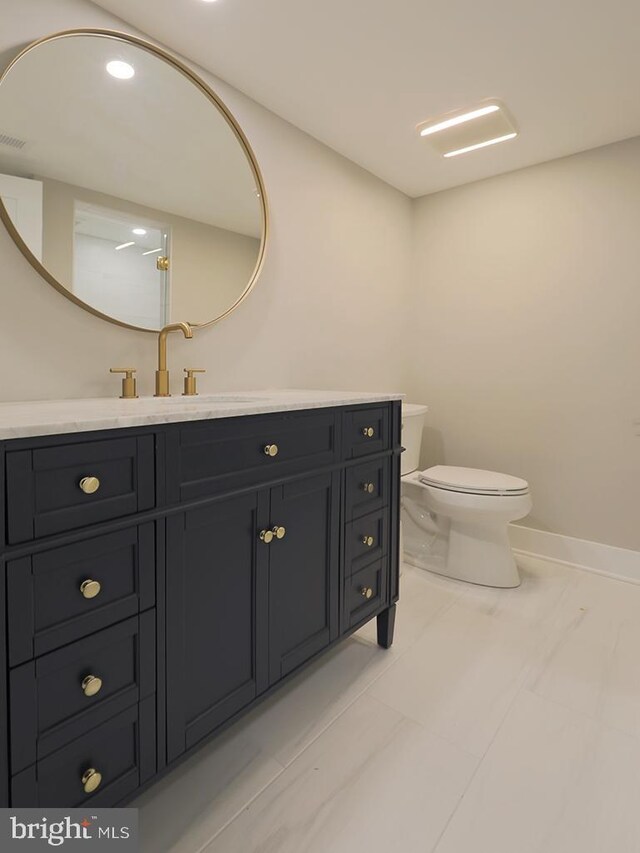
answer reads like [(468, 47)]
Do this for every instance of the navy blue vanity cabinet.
[(372, 506), (80, 563), (61, 594), (4, 705), (157, 583), (217, 600), (207, 458), (252, 593), (304, 571), (44, 485)]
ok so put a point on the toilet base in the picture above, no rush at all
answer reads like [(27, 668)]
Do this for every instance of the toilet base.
[(475, 553), (481, 553)]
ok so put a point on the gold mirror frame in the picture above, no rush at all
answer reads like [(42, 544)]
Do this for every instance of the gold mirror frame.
[(227, 115)]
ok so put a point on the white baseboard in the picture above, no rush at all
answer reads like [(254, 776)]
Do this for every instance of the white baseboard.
[(620, 563)]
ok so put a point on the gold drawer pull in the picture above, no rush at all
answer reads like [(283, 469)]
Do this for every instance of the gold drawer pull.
[(366, 592), (91, 685), (89, 485), (271, 450), (369, 488), (90, 588), (368, 541), (91, 780), (368, 432), (276, 532)]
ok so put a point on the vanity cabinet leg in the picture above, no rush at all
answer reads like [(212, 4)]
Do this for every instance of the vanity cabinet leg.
[(386, 623)]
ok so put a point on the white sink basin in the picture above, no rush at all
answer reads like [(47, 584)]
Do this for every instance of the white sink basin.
[(202, 399)]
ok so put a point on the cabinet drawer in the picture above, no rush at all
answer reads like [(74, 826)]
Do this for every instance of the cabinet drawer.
[(52, 701), (44, 485), (366, 540), (366, 592), (122, 751), (366, 431), (218, 456), (367, 487), (46, 607)]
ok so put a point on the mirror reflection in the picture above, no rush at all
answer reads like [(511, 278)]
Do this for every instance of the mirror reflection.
[(127, 182)]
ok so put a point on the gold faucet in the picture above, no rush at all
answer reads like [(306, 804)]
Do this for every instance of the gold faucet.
[(162, 373)]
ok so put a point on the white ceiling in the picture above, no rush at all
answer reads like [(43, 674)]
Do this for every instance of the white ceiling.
[(360, 74), (93, 221)]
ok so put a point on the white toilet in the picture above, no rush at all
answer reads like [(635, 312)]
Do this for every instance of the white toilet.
[(455, 520)]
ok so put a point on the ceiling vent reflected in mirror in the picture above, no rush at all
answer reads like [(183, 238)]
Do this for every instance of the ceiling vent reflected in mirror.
[(12, 141), (467, 130)]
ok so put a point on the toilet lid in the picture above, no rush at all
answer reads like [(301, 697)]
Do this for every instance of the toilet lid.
[(473, 481), (411, 409)]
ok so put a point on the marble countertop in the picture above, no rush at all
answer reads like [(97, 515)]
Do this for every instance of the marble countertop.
[(55, 417)]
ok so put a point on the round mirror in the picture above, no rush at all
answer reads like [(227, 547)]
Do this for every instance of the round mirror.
[(126, 181)]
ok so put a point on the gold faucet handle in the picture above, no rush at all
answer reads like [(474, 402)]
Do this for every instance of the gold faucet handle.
[(190, 388), (129, 385)]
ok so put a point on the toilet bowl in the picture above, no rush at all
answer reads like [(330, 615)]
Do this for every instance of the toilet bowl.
[(462, 534), (455, 521)]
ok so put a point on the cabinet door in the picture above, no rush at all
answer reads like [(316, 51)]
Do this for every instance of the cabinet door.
[(303, 571), (217, 577)]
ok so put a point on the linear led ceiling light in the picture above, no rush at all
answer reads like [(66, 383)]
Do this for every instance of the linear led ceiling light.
[(504, 138), (469, 129), (452, 122)]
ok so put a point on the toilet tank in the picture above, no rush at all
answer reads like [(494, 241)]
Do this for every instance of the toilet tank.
[(412, 423)]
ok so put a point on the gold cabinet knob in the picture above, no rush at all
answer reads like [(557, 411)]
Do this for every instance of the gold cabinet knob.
[(91, 685), (90, 588), (129, 388), (89, 485), (270, 450), (91, 780), (368, 432), (279, 532), (368, 541), (369, 488), (366, 592), (266, 536)]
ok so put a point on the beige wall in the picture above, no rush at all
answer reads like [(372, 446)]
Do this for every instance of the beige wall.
[(210, 267), (521, 332), (324, 314), (525, 323)]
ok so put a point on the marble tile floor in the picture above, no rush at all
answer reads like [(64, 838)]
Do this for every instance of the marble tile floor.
[(501, 721)]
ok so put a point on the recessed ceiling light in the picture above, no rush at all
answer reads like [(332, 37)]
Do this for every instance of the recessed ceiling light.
[(481, 145), (124, 245), (139, 231), (470, 129), (428, 129), (120, 70)]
